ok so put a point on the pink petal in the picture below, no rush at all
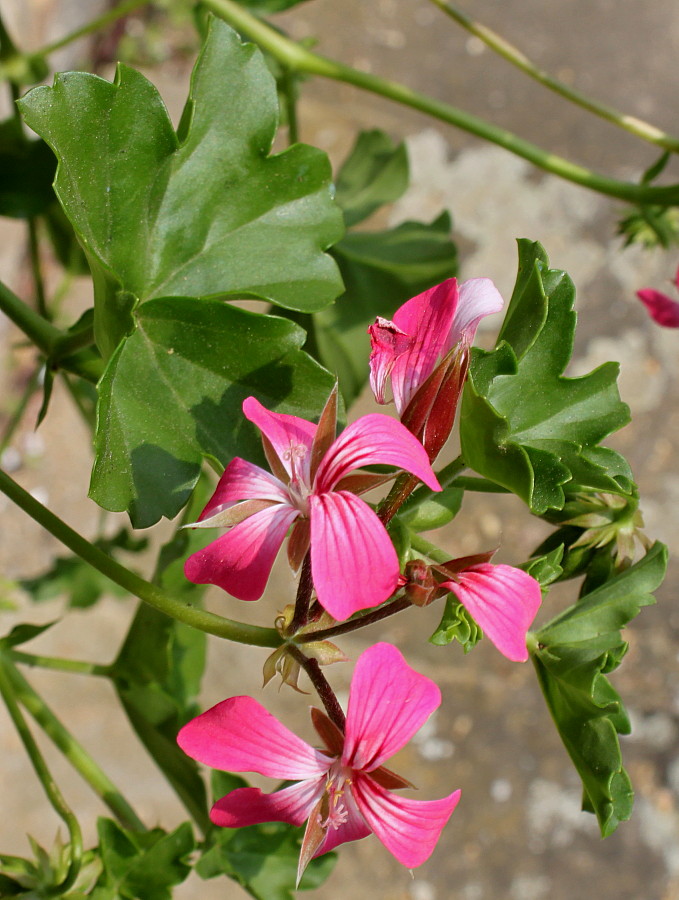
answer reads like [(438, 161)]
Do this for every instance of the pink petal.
[(388, 703), (503, 601), (353, 562), (354, 829), (427, 318), (284, 432), (387, 343), (240, 561), (239, 735), (661, 308), (478, 298), (409, 829), (249, 806), (242, 480), (374, 439)]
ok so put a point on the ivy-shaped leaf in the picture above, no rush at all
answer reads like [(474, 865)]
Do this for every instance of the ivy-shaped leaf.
[(173, 391), (374, 173), (202, 212), (523, 424), (572, 656)]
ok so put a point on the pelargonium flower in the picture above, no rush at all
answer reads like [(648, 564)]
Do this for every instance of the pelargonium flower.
[(353, 562), (662, 309), (343, 791), (407, 350), (502, 600)]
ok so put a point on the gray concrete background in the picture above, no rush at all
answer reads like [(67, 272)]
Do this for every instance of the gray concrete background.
[(518, 832)]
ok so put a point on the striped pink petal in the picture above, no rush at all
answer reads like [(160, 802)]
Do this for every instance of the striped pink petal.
[(353, 562), (240, 561), (249, 806), (239, 735), (478, 298), (388, 703), (427, 318), (409, 829), (375, 438), (242, 480), (661, 308), (503, 601), (284, 432)]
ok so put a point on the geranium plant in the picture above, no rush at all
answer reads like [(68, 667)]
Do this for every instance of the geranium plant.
[(232, 423)]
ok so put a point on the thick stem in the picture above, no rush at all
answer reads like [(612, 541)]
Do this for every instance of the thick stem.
[(299, 59), (370, 618), (79, 758), (305, 589), (53, 793), (149, 593), (513, 55), (435, 554), (320, 683), (403, 487), (43, 334)]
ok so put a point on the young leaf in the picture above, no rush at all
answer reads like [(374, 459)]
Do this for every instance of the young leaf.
[(572, 656), (374, 173), (456, 625), (142, 864), (381, 270), (172, 393), (205, 212), (523, 424)]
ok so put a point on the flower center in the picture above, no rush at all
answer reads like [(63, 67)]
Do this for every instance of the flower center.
[(298, 488), (337, 812)]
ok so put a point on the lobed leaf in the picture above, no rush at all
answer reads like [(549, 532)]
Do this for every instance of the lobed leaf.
[(523, 424), (202, 212), (572, 656), (374, 173)]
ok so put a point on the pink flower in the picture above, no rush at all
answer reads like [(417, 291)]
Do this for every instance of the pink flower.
[(502, 600), (343, 792), (353, 562), (424, 331), (661, 308)]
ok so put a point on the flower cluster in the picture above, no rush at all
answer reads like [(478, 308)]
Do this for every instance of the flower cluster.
[(343, 791)]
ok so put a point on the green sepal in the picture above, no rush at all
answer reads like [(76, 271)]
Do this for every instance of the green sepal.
[(572, 656), (523, 424), (456, 625)]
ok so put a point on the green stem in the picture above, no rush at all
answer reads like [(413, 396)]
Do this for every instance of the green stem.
[(74, 752), (34, 249), (102, 21), (482, 485), (299, 59), (446, 476), (43, 334), (149, 593), (53, 793), (513, 55), (58, 664), (435, 554)]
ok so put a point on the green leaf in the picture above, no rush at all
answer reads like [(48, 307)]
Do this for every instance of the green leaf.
[(205, 212), (523, 424), (263, 859), (456, 625), (381, 270), (374, 173), (72, 577), (572, 656), (173, 393), (23, 633), (142, 865), (160, 666), (26, 173), (546, 569), (434, 512)]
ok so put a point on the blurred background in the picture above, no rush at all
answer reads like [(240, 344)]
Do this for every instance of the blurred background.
[(518, 832)]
